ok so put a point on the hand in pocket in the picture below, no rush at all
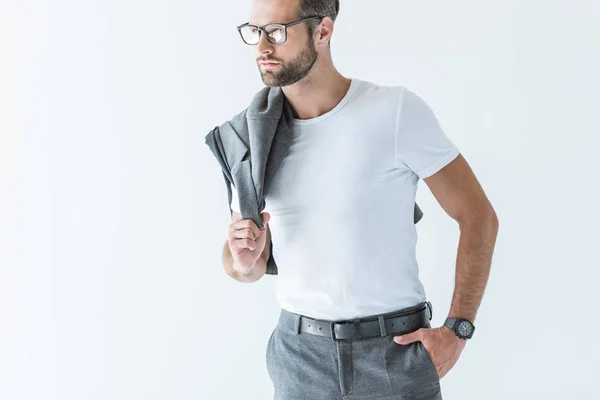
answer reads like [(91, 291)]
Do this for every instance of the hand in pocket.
[(441, 344)]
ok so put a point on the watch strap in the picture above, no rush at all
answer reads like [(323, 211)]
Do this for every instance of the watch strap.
[(450, 322)]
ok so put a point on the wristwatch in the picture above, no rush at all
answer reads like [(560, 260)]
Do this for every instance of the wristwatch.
[(462, 327)]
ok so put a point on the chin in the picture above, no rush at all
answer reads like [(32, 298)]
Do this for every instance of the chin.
[(268, 80)]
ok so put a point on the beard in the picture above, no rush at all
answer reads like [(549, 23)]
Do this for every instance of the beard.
[(286, 74)]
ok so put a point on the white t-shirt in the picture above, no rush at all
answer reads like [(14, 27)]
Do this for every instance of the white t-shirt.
[(342, 204)]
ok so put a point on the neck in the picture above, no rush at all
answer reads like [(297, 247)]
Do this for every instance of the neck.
[(317, 93)]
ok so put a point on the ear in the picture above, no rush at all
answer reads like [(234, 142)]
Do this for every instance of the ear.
[(325, 30)]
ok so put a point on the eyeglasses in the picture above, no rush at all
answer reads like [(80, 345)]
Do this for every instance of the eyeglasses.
[(274, 33)]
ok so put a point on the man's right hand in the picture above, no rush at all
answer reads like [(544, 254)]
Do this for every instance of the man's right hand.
[(246, 241)]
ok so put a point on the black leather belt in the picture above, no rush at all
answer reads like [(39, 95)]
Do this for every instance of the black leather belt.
[(398, 322)]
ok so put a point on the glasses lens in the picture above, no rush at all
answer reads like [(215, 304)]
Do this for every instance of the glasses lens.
[(276, 33), (250, 34)]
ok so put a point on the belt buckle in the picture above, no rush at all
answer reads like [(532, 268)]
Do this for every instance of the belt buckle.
[(354, 328)]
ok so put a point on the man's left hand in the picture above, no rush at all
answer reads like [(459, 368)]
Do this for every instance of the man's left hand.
[(442, 344)]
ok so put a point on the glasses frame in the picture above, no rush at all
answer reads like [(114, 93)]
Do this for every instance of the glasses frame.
[(263, 29)]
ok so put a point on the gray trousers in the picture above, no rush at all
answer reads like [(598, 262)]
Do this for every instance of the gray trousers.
[(303, 366)]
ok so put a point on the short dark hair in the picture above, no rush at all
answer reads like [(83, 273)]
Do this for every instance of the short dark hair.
[(324, 8)]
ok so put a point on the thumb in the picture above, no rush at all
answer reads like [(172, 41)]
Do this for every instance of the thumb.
[(266, 217), (409, 337)]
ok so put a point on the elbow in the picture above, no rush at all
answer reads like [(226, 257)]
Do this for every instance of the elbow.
[(485, 221), (492, 220)]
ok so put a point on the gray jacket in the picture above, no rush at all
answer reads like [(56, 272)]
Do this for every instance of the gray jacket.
[(250, 147)]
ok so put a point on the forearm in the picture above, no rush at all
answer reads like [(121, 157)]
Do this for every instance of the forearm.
[(473, 261), (257, 271)]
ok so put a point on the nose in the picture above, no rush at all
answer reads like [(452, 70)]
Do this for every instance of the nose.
[(263, 45)]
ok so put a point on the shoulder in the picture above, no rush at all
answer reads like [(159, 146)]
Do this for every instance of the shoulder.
[(397, 95), (373, 88), (384, 98)]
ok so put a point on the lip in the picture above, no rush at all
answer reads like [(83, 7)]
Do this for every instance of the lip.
[(268, 64)]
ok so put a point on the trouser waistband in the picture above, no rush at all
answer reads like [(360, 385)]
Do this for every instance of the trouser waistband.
[(402, 321)]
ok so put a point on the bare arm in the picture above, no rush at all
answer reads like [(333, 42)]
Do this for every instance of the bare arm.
[(459, 193), (258, 270)]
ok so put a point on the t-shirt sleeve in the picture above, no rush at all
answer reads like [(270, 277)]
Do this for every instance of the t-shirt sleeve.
[(234, 200), (421, 144)]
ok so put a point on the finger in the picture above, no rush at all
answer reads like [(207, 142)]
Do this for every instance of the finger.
[(266, 217), (245, 224), (244, 233), (242, 244), (410, 337)]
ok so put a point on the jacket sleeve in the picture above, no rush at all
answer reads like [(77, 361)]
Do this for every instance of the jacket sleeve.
[(229, 193), (271, 265), (418, 213)]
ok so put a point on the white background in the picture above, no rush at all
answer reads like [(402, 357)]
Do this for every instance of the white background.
[(113, 211)]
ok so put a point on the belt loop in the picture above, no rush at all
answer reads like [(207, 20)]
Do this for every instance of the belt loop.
[(430, 310), (332, 330), (297, 324), (382, 325), (356, 329)]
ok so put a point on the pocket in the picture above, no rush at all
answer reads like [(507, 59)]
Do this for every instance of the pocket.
[(428, 358), (268, 354), (411, 371)]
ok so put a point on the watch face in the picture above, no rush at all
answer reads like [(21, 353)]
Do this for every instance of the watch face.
[(465, 329)]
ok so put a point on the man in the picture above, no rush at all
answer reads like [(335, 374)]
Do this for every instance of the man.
[(340, 212)]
